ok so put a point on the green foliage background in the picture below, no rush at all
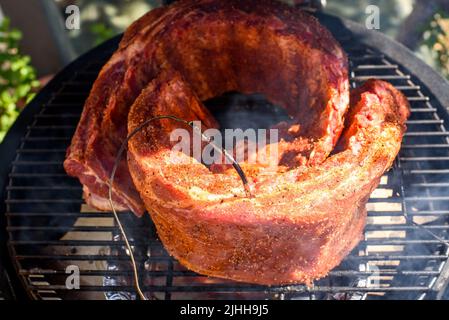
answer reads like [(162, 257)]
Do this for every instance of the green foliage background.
[(436, 41), (17, 77)]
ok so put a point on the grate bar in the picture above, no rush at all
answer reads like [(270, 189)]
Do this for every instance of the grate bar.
[(425, 121), (361, 67), (237, 288), (12, 201), (424, 146), (69, 228), (427, 134), (40, 175), (61, 214), (37, 163), (89, 243), (366, 57), (93, 257), (427, 198), (427, 171), (398, 257), (430, 184), (12, 188), (418, 98), (118, 273), (409, 87), (389, 227), (165, 258), (192, 274), (381, 77), (415, 110), (81, 243), (424, 158)]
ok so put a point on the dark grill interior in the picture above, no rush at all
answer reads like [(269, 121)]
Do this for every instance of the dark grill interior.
[(403, 255)]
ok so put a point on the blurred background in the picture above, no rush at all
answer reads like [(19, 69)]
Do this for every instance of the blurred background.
[(35, 41)]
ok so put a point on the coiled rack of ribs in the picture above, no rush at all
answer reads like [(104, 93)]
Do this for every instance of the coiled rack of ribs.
[(308, 209)]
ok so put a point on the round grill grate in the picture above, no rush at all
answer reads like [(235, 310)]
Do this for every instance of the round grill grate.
[(405, 248)]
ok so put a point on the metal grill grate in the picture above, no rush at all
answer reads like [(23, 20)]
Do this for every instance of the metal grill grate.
[(403, 254)]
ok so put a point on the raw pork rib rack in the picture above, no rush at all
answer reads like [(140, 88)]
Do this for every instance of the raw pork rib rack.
[(404, 253)]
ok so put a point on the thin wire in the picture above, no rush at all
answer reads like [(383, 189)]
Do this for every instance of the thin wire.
[(229, 157), (122, 231), (117, 162)]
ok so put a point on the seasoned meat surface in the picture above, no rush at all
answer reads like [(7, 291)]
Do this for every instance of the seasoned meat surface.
[(308, 206), (217, 46), (300, 224)]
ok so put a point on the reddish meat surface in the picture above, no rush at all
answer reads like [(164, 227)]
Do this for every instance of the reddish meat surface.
[(217, 46), (301, 222), (308, 209)]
